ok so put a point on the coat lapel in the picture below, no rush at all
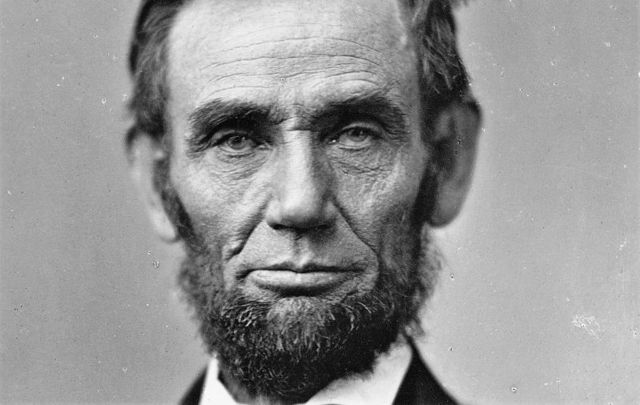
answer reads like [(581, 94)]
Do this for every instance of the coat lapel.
[(419, 386), (192, 396)]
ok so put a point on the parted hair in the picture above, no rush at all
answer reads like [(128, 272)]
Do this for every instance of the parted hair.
[(443, 78)]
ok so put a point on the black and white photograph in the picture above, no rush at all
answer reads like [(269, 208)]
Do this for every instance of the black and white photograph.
[(319, 202)]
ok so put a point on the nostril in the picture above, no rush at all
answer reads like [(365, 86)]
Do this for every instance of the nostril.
[(297, 233), (278, 227)]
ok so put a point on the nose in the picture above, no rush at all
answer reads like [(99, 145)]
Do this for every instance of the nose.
[(301, 187)]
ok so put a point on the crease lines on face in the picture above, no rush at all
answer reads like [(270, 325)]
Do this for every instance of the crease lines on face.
[(291, 57)]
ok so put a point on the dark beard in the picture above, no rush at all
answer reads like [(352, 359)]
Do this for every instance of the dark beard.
[(291, 355)]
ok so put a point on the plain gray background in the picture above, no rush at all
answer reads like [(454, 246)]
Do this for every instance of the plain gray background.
[(540, 298)]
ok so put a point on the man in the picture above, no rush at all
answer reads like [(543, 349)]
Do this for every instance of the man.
[(302, 150)]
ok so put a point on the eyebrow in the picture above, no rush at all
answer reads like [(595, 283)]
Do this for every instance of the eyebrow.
[(373, 104), (216, 112)]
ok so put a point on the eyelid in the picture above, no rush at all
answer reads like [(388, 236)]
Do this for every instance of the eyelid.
[(219, 136), (366, 123), (376, 129)]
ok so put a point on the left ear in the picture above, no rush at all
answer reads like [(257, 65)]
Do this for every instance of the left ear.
[(454, 146), (144, 154)]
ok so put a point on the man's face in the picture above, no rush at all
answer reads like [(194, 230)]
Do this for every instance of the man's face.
[(296, 144), (297, 153)]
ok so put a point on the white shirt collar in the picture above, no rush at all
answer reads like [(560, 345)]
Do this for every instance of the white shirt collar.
[(378, 388)]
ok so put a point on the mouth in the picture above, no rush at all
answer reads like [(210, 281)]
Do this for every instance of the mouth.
[(290, 280)]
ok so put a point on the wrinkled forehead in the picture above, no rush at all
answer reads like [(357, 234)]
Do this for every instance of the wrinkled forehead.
[(217, 47)]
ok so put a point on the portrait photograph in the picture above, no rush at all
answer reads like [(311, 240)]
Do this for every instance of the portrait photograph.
[(319, 202)]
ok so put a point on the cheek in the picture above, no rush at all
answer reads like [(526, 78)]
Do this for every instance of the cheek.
[(208, 191), (208, 202), (223, 211), (381, 206)]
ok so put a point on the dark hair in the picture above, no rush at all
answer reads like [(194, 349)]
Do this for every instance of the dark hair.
[(443, 77)]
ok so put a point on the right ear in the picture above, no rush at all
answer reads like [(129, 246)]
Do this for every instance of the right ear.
[(145, 153)]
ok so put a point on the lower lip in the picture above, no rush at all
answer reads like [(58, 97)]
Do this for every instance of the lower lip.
[(287, 281)]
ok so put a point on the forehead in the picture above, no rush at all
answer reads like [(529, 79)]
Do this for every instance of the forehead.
[(296, 50)]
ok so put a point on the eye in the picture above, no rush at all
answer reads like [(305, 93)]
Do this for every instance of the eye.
[(356, 137), (237, 143)]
